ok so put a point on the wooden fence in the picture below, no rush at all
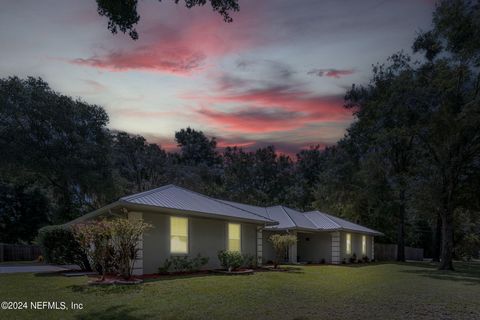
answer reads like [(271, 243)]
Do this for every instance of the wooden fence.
[(19, 252), (385, 252)]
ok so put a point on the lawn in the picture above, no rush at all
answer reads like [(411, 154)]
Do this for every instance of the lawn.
[(380, 291)]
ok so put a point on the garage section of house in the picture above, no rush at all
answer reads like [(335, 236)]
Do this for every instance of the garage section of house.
[(186, 223)]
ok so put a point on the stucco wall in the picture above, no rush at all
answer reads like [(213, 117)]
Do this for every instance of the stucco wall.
[(313, 247), (206, 237)]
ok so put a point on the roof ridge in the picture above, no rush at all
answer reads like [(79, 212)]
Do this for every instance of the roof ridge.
[(145, 193), (306, 216), (220, 201), (288, 215), (228, 202)]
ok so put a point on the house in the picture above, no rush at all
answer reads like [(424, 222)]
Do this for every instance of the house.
[(188, 223)]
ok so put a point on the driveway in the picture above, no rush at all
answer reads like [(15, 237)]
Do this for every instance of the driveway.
[(34, 267)]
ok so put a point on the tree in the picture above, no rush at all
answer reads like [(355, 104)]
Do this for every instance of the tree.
[(280, 243), (387, 111), (140, 165), (60, 142), (451, 135), (122, 14), (23, 210), (196, 148)]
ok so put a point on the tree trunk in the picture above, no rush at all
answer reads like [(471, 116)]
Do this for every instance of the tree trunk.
[(401, 229), (447, 239), (437, 240)]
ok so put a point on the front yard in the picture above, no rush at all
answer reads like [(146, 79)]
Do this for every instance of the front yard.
[(381, 291)]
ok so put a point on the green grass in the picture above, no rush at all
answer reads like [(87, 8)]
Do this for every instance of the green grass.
[(380, 291)]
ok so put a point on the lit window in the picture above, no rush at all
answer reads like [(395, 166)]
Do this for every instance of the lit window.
[(178, 235), (348, 243), (364, 245), (234, 237)]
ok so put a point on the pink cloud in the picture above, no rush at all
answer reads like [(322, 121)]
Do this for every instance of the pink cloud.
[(183, 50), (331, 73)]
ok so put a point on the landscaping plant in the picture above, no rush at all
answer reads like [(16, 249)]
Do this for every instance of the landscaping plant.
[(280, 244), (230, 260)]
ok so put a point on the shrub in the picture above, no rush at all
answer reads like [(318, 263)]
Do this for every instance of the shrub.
[(59, 246), (198, 262), (183, 264), (322, 261), (166, 266), (280, 243), (365, 259), (126, 235), (230, 260), (353, 258), (249, 261), (96, 240)]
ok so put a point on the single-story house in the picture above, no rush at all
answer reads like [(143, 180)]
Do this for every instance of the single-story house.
[(188, 223)]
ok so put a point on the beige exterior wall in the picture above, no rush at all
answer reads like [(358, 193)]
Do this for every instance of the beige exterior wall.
[(206, 237), (313, 247)]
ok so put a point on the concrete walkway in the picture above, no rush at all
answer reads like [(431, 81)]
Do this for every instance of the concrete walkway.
[(34, 267)]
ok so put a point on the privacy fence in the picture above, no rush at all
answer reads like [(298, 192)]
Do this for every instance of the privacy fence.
[(385, 252), (19, 252)]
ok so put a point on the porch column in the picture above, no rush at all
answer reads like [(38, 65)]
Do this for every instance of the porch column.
[(292, 251), (138, 265), (335, 247), (373, 248), (259, 246)]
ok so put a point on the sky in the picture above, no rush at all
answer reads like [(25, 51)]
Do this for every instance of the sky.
[(276, 75)]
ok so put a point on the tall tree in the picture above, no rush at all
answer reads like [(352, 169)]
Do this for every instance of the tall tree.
[(451, 134), (63, 142)]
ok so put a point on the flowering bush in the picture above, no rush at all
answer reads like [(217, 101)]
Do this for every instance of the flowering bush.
[(111, 245)]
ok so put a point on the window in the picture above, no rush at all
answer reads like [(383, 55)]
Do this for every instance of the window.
[(234, 237), (364, 245), (348, 243), (178, 235)]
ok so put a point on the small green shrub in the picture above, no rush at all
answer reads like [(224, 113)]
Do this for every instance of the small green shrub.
[(59, 246), (230, 260), (183, 264), (165, 267), (249, 261), (365, 259), (198, 262)]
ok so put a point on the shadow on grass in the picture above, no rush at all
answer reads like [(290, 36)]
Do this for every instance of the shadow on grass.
[(114, 312), (467, 272)]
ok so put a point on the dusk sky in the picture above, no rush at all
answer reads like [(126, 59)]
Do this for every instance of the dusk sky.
[(276, 75)]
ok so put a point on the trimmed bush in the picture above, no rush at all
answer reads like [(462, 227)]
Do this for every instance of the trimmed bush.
[(183, 264), (230, 260), (60, 247)]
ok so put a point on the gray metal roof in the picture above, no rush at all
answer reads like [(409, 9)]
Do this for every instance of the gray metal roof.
[(325, 221), (275, 218), (288, 218), (173, 197)]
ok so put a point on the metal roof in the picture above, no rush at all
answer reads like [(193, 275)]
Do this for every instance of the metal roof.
[(173, 197), (275, 217)]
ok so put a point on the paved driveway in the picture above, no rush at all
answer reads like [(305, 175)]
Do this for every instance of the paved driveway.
[(36, 268)]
